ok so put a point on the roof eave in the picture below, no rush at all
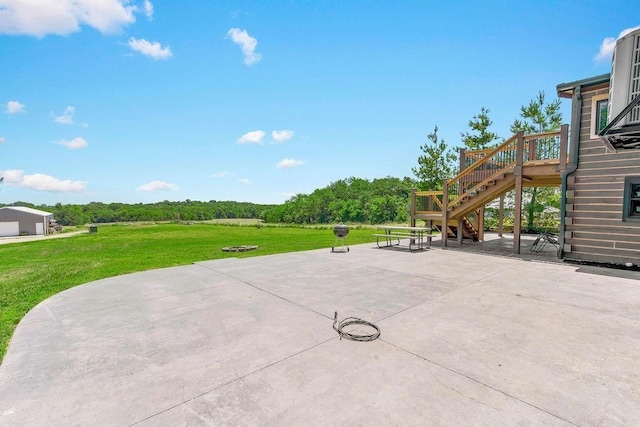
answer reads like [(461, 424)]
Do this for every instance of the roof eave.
[(565, 90)]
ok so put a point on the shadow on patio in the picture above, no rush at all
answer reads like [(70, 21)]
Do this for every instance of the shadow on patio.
[(503, 247)]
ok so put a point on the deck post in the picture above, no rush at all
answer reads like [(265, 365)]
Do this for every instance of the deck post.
[(517, 212), (445, 206), (460, 231), (518, 202), (501, 216), (461, 186), (532, 149), (480, 226), (430, 208), (564, 144)]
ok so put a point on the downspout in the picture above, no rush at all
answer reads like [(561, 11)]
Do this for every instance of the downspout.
[(574, 140)]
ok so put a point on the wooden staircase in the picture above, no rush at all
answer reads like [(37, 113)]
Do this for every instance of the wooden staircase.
[(469, 231), (521, 161)]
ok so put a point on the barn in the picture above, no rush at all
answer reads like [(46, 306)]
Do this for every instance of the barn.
[(23, 221)]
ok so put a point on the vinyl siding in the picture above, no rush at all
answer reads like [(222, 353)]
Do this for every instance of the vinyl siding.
[(594, 230)]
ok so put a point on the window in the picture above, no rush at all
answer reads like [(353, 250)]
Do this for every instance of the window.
[(599, 110), (631, 202), (602, 107)]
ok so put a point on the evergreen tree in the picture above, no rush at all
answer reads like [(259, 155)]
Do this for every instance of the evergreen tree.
[(481, 138), (538, 117), (436, 164)]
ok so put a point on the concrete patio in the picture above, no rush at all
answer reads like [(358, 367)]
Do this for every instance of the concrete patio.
[(467, 339)]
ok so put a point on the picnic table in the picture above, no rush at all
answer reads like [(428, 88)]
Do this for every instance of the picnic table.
[(418, 237)]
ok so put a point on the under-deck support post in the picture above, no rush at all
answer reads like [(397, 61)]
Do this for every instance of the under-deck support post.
[(518, 202), (501, 216), (460, 233), (517, 212), (445, 206)]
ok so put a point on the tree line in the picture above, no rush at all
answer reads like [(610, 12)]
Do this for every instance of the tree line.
[(351, 200), (188, 210)]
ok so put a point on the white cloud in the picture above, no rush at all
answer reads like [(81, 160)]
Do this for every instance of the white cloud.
[(41, 182), (148, 9), (609, 44), (75, 143), (247, 44), (14, 107), (67, 117), (1, 140), (289, 163), (220, 174), (283, 135), (254, 137), (151, 49), (158, 186), (244, 181), (39, 18)]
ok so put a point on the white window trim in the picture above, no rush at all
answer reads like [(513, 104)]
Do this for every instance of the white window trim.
[(594, 105)]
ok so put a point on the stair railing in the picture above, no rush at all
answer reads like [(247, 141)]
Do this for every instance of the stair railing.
[(547, 146), (493, 163)]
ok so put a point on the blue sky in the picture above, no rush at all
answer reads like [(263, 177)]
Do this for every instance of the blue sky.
[(151, 100)]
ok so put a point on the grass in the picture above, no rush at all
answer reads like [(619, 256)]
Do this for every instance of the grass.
[(31, 272)]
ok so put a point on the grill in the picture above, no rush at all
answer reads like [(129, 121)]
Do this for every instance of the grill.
[(340, 244), (341, 231)]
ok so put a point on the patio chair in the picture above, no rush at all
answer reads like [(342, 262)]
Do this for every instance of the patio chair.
[(542, 240)]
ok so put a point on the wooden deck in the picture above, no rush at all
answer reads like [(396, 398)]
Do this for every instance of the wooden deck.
[(521, 161)]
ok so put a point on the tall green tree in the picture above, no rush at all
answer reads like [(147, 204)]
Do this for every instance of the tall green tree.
[(436, 164), (480, 137), (538, 117)]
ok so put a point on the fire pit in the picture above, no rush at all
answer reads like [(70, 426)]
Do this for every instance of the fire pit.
[(340, 231)]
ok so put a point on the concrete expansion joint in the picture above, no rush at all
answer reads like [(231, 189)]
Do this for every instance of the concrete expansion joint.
[(460, 288), (238, 378), (475, 380), (462, 394), (266, 291)]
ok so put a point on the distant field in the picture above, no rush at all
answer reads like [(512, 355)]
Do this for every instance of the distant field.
[(235, 221), (33, 271)]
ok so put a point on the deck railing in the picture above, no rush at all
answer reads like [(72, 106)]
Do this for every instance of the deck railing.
[(427, 202), (484, 166)]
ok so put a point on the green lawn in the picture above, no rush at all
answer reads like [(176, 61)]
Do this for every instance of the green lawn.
[(33, 271)]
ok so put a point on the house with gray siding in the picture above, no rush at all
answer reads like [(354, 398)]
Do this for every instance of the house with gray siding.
[(600, 217)]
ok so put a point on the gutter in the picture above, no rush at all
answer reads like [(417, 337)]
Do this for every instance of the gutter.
[(574, 140)]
